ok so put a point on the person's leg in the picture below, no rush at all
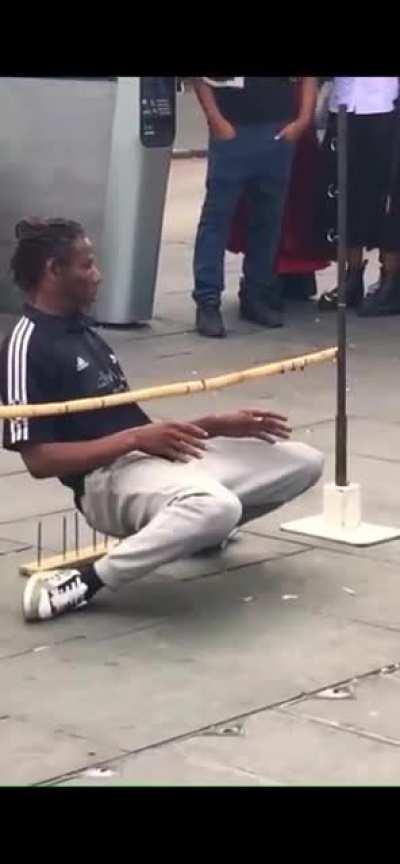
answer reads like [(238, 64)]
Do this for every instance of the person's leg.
[(263, 476), (357, 222), (298, 287), (164, 510), (267, 192), (391, 261), (161, 510), (224, 185), (355, 258), (385, 300)]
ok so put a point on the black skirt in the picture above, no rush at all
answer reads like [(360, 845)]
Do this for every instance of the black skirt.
[(372, 140)]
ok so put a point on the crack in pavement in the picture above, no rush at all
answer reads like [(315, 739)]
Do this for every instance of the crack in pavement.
[(315, 544), (234, 567), (375, 624), (341, 727), (212, 764), (69, 639)]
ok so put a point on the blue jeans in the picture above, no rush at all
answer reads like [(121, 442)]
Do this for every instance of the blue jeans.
[(253, 161)]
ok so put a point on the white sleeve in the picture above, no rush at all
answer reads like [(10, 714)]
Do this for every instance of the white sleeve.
[(225, 82)]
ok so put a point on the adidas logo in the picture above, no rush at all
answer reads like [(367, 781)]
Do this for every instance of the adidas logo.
[(81, 364)]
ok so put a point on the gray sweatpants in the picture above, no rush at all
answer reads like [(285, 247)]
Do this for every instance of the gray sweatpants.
[(168, 510)]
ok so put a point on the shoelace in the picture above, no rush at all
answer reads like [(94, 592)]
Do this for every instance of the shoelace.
[(72, 594)]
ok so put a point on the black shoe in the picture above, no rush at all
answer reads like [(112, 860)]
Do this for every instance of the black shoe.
[(260, 312), (272, 294), (354, 292), (262, 307), (299, 287), (209, 321), (385, 300)]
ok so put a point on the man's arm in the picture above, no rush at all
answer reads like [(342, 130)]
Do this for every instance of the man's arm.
[(78, 457), (219, 126), (175, 441), (248, 423)]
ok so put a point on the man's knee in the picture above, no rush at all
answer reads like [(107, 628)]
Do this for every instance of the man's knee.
[(217, 515), (311, 464)]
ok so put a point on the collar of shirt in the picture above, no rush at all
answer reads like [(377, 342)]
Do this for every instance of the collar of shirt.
[(76, 323)]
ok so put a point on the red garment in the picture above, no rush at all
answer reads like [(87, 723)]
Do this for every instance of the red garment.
[(297, 252)]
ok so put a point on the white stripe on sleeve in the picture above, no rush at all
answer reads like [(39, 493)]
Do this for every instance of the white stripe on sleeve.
[(17, 375)]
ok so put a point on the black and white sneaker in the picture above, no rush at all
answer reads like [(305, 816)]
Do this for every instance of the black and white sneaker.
[(50, 594)]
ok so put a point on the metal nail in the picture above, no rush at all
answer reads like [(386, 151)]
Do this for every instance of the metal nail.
[(94, 539), (77, 533), (39, 544), (106, 539), (64, 537)]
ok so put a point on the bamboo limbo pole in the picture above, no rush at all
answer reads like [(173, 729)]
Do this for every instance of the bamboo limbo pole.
[(341, 415), (183, 388)]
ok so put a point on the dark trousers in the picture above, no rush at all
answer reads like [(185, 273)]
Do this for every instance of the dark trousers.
[(371, 155), (253, 161)]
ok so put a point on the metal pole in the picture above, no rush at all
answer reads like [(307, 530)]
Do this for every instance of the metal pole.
[(341, 415)]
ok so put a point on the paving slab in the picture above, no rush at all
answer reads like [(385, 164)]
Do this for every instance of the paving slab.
[(225, 633), (169, 766), (39, 746), (25, 531), (18, 638), (351, 742), (8, 546), (23, 496), (372, 710), (206, 654), (242, 550), (278, 748)]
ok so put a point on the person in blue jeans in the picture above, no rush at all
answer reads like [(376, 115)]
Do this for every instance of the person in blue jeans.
[(254, 123)]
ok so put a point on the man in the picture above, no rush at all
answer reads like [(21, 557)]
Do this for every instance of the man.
[(254, 123), (166, 489)]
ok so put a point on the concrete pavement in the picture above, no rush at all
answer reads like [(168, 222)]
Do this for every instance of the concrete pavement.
[(207, 672)]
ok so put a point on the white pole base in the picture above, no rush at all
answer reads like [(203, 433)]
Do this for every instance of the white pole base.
[(341, 519)]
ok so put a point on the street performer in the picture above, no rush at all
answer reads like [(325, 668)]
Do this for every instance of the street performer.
[(165, 489)]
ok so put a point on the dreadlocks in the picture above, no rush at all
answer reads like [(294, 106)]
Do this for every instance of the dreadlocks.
[(38, 240)]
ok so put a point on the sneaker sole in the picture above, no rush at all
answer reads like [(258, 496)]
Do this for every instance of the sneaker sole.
[(27, 599)]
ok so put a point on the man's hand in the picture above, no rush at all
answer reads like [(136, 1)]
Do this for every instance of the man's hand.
[(174, 441), (251, 424), (222, 129), (308, 100), (293, 131)]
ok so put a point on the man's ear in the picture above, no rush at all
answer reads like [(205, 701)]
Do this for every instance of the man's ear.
[(52, 268)]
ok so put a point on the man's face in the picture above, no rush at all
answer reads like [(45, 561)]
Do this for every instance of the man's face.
[(80, 278)]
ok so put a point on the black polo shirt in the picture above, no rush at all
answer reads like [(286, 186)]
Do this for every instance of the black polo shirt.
[(256, 99), (49, 358)]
